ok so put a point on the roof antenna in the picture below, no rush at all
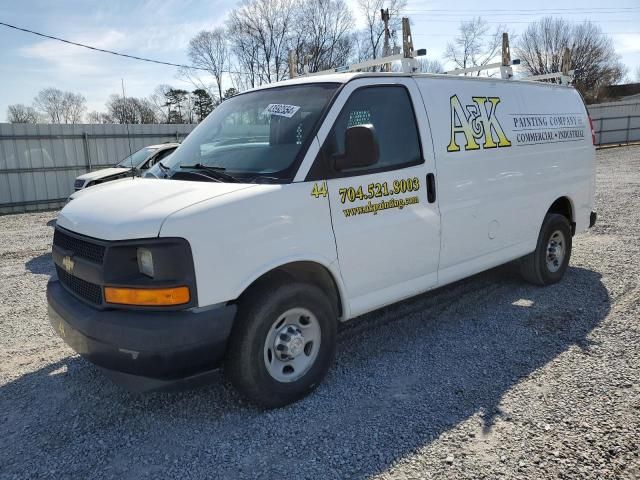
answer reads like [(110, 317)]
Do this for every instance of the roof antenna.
[(124, 117)]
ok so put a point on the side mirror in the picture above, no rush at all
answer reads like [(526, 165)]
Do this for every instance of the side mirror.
[(361, 148)]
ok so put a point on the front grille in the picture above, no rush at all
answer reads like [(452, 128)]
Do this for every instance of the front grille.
[(80, 248), (78, 184), (87, 290)]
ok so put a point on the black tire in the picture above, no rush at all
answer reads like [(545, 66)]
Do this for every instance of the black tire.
[(534, 267), (245, 364)]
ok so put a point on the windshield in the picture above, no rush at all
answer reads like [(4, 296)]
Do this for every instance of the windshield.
[(255, 135), (137, 158)]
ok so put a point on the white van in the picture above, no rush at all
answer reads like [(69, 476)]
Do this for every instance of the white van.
[(301, 204)]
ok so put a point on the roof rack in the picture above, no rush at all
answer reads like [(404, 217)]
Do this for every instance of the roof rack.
[(410, 64), (407, 57), (565, 76)]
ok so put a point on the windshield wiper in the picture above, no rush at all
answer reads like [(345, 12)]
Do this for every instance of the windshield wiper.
[(269, 178), (216, 172)]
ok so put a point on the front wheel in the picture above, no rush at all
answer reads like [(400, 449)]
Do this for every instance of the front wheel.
[(549, 261), (282, 343)]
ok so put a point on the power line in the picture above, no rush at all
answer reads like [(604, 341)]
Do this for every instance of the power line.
[(507, 10), (160, 62), (111, 52), (440, 20), (448, 35), (517, 14)]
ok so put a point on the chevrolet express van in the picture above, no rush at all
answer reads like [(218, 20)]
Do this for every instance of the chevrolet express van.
[(309, 202)]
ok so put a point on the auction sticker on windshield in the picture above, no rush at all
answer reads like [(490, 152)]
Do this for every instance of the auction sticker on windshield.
[(281, 110)]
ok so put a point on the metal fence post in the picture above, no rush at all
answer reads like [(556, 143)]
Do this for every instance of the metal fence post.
[(600, 131), (87, 156), (628, 127), (177, 136)]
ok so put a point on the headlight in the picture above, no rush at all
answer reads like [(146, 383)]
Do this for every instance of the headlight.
[(145, 262)]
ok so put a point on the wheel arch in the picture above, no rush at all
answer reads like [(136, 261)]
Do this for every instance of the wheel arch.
[(564, 206), (308, 271)]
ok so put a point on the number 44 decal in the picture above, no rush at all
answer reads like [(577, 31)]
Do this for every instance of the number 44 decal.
[(319, 190)]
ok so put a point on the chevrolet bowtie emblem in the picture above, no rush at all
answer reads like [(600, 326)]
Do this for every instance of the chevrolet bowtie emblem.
[(68, 263)]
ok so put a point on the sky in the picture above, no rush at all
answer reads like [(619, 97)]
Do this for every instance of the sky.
[(161, 29)]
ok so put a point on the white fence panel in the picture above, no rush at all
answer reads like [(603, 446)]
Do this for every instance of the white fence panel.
[(38, 163), (616, 122)]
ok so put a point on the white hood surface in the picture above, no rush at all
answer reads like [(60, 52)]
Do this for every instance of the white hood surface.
[(135, 208), (105, 172)]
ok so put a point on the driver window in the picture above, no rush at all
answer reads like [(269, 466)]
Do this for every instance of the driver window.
[(388, 108)]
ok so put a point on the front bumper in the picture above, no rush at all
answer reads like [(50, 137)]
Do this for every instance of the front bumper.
[(165, 345)]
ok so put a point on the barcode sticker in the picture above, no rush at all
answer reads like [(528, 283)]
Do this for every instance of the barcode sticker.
[(281, 110)]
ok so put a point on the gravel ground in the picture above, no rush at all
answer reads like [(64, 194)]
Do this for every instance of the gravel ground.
[(487, 378)]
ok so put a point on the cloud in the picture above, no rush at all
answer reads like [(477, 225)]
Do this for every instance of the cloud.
[(628, 43), (74, 59)]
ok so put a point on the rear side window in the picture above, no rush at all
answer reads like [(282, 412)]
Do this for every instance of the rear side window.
[(388, 108)]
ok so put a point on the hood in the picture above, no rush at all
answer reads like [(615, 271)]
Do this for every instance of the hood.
[(135, 208), (105, 172)]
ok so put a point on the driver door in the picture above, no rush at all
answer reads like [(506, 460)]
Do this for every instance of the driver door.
[(386, 226)]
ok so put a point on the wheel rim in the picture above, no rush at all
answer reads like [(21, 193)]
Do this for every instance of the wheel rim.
[(292, 345), (556, 250)]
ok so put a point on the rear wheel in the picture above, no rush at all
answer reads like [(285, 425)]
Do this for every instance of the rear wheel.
[(282, 343), (549, 261)]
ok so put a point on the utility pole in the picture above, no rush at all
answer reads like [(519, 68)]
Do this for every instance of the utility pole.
[(566, 61), (506, 71), (292, 64), (384, 15)]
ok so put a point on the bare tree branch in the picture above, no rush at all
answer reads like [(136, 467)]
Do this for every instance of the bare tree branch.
[(19, 113), (542, 45), (475, 45), (209, 50)]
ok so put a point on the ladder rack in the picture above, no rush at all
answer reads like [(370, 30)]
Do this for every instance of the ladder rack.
[(359, 66), (410, 64), (407, 57)]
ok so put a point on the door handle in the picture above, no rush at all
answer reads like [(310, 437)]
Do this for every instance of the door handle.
[(431, 187)]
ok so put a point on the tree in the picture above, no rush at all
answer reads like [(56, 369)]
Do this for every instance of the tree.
[(130, 110), (50, 102), (322, 33), (19, 113), (475, 45), (429, 66), (99, 118), (208, 50), (158, 102), (592, 56), (372, 39), (74, 106), (60, 107), (230, 92), (177, 103), (637, 74), (202, 103), (260, 38)]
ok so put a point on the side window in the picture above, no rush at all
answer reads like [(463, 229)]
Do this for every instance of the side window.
[(389, 110), (155, 159)]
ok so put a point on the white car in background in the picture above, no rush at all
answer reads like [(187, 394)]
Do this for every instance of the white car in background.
[(139, 161)]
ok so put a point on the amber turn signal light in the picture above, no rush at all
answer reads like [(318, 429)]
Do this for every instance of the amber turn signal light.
[(147, 296)]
